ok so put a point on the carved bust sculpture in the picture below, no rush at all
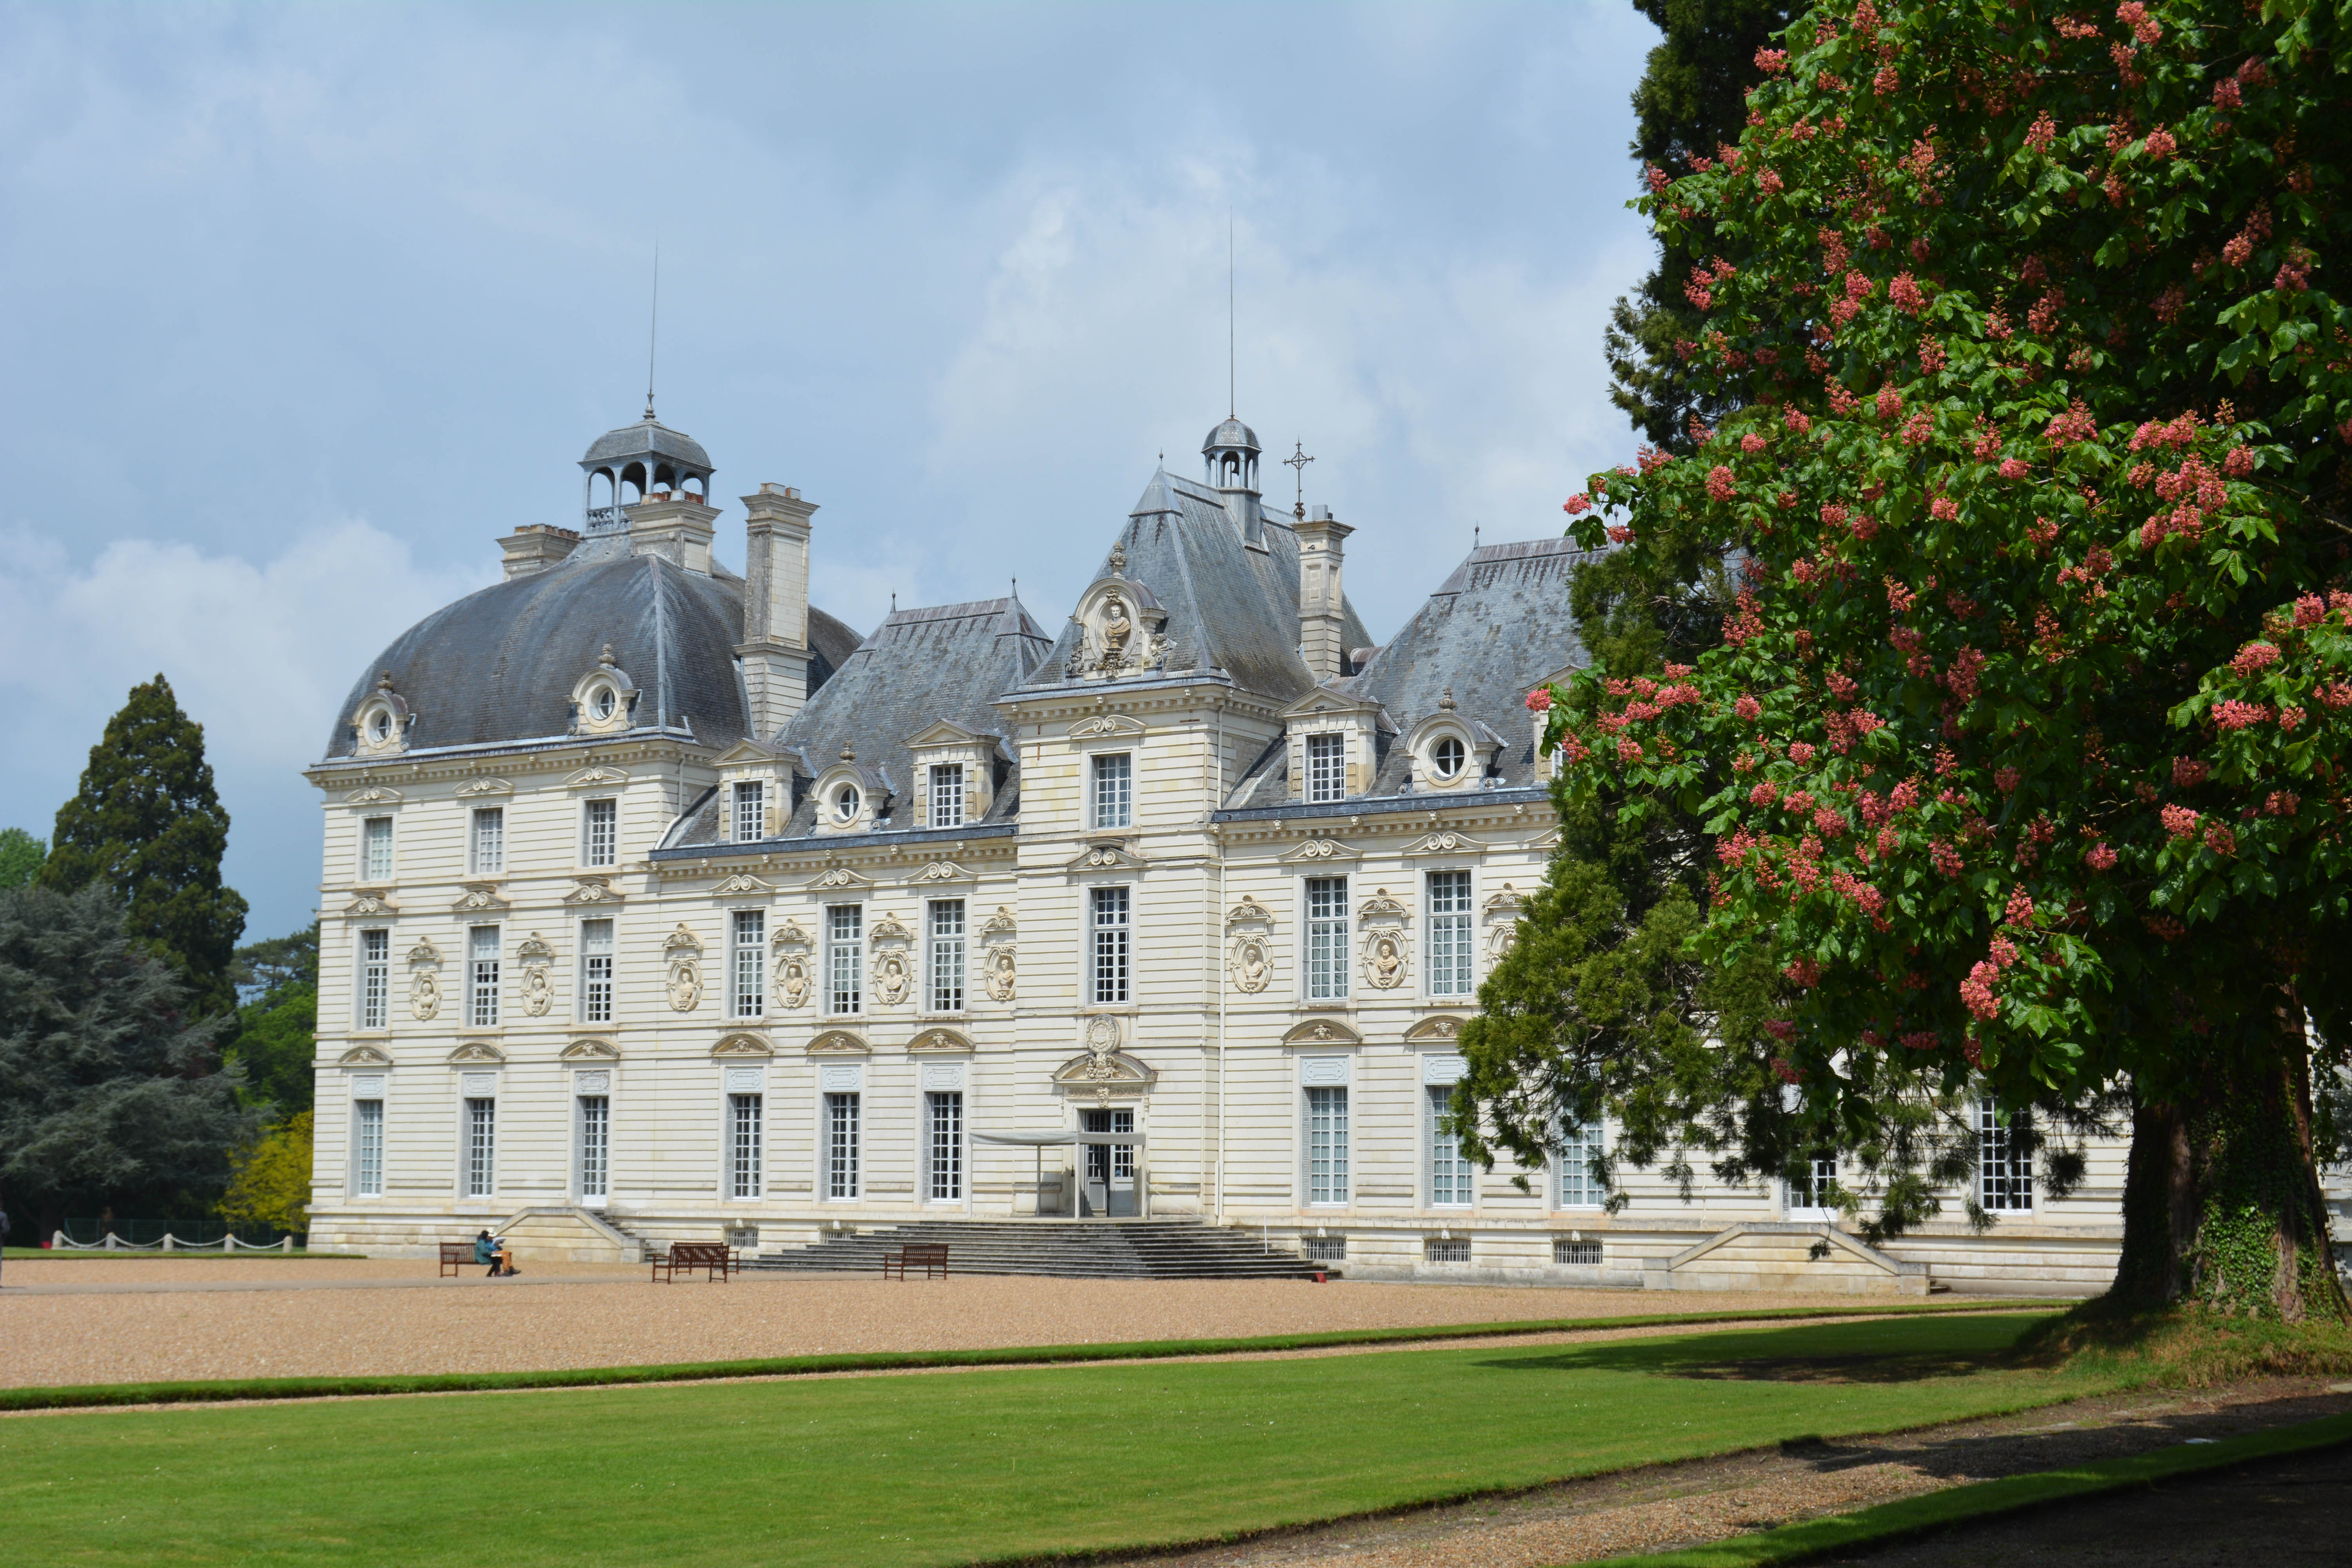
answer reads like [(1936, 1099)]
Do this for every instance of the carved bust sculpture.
[(1117, 627)]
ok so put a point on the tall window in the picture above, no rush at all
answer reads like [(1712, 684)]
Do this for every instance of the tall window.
[(1327, 767), (1814, 1189), (1449, 1172), (944, 1112), (750, 811), (1327, 938), (841, 1145), (482, 977), (367, 1148), (595, 1144), (375, 979), (1109, 907), (600, 833), (747, 992), (2004, 1170), (1450, 968), (375, 854), (946, 955), (489, 847), (596, 972), (1115, 791), (1327, 1145), (481, 1148), (1578, 1145), (743, 1112), (947, 795), (844, 960), (1112, 1162)]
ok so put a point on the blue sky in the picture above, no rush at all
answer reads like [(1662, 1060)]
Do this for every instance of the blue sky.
[(309, 304)]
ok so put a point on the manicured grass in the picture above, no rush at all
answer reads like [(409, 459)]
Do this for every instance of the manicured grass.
[(1938, 1510), (69, 1397), (59, 1255), (963, 1467)]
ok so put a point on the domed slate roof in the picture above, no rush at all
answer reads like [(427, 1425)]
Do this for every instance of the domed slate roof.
[(647, 436), (1231, 433), (500, 666)]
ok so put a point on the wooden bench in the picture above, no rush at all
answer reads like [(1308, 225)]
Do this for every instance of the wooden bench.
[(455, 1256), (931, 1256), (715, 1258)]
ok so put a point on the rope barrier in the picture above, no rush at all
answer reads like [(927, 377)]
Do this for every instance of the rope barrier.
[(61, 1242)]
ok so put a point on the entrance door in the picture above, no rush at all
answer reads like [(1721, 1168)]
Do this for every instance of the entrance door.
[(1110, 1167)]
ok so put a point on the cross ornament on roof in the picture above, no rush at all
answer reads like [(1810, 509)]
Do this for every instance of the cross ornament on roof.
[(1298, 460)]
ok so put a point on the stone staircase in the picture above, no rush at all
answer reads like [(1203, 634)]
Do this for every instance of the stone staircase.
[(1077, 1249), (570, 1235)]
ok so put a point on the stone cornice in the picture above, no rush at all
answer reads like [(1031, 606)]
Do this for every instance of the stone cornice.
[(558, 755)]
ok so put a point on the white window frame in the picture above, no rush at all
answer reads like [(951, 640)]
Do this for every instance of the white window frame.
[(747, 818), (1324, 971), (480, 1153), (947, 794), (948, 964), (592, 1145), (2003, 1178), (485, 847), (747, 1115), (1451, 937), (1326, 766), (600, 833), (374, 868), (845, 960), (1440, 750), (1803, 1203), (1324, 1125), (1572, 1187), (1111, 790), (1110, 946), (746, 963), (943, 1152), (374, 992), (482, 976), (597, 948), (367, 1151), (1450, 1181), (840, 1135)]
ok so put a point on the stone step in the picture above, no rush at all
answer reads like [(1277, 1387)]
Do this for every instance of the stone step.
[(1114, 1250)]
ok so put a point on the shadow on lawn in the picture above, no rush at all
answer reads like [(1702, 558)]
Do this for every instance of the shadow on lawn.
[(1890, 1367)]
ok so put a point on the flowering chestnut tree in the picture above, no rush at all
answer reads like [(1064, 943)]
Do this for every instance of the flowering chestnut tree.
[(2022, 755)]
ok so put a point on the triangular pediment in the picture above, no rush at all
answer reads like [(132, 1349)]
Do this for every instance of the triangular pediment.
[(740, 885), (363, 1056), (1446, 842), (372, 794), (592, 890), (476, 1053), (600, 775), (1319, 849), (747, 750), (1106, 726), (941, 871), (1322, 700), (478, 898), (839, 877), (473, 787), (1106, 856), (947, 732), (372, 903)]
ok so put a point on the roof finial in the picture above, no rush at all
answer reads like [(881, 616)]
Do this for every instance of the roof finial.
[(847, 753), (894, 601), (1118, 560), (1298, 460), (1475, 530), (653, 333), (605, 659), (1447, 701), (383, 681)]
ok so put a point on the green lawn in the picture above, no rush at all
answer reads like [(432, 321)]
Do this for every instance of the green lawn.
[(956, 1466)]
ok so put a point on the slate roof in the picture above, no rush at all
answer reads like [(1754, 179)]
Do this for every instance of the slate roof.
[(1492, 629), (1230, 605), (946, 661), (648, 436), (499, 665)]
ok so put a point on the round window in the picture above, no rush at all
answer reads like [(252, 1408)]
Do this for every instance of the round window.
[(1446, 757), (845, 804), (380, 725), (603, 701)]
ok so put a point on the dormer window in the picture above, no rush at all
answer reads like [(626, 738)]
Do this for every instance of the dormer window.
[(603, 701), (750, 811), (380, 726), (1327, 767), (947, 795), (845, 801), (1447, 757)]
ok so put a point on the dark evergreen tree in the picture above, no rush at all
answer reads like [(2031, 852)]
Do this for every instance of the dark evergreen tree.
[(110, 1092), (277, 1026), (148, 825), (21, 855), (1691, 102)]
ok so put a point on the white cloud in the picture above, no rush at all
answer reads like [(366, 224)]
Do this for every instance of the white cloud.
[(261, 654)]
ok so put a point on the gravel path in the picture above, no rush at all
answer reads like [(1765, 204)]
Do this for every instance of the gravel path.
[(124, 1328), (1670, 1505)]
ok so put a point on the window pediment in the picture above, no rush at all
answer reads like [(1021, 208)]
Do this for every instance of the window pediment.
[(839, 877), (378, 902), (1446, 843), (1321, 1032), (590, 1049), (742, 1043), (363, 1056), (838, 1042), (1105, 856), (479, 897), (1315, 849), (1107, 727), (473, 789), (476, 1053)]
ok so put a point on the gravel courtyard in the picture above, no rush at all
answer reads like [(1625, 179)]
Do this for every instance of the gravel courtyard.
[(124, 1321)]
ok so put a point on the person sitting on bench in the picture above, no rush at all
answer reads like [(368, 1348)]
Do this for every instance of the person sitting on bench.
[(487, 1251)]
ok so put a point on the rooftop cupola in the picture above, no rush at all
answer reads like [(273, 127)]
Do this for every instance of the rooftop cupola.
[(1229, 456), (627, 467)]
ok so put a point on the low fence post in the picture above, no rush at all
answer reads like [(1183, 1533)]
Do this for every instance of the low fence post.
[(168, 1239), (287, 1243), (58, 1242)]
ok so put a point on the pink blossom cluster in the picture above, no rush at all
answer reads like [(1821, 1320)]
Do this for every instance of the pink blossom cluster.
[(1806, 971), (1976, 991), (2075, 424), (2179, 821), (1772, 62), (2232, 714), (1720, 484), (2100, 857), (1576, 505), (2255, 658), (2188, 772)]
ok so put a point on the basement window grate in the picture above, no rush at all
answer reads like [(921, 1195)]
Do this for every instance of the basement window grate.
[(1326, 1249), (1445, 1249), (1583, 1254)]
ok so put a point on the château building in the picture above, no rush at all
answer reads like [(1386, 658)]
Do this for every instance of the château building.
[(660, 904)]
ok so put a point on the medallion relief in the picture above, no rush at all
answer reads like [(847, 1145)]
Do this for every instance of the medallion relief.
[(682, 969), (423, 981)]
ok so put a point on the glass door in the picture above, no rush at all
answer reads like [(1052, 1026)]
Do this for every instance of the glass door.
[(1110, 1167), (596, 1148)]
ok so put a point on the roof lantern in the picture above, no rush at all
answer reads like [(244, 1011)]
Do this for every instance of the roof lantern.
[(1230, 455), (636, 462)]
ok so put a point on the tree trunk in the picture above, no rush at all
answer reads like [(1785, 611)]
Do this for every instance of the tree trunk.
[(2222, 1205)]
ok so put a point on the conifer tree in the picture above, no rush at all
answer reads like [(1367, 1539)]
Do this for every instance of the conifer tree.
[(148, 825), (277, 1026)]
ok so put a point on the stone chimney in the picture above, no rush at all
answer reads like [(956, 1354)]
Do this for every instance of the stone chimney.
[(775, 648), (1322, 614), (535, 547), (674, 525)]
